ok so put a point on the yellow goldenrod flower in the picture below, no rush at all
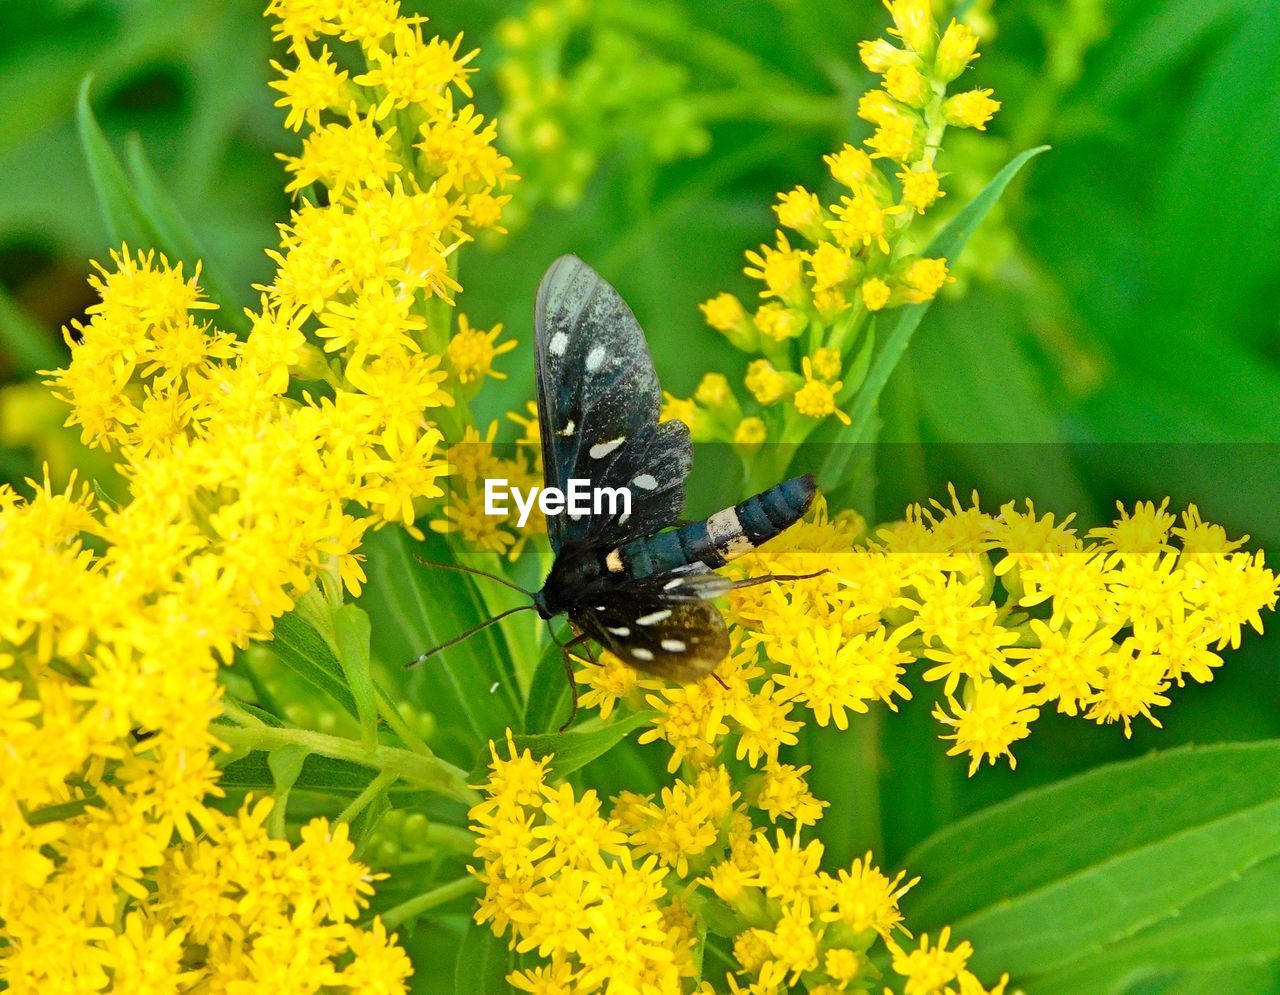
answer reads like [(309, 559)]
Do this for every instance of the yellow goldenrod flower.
[(921, 188), (817, 399), (750, 435), (972, 109), (778, 322), (913, 23), (713, 391), (997, 717), (357, 155), (959, 47), (724, 312), (781, 270), (314, 85), (906, 84), (801, 210), (922, 280), (827, 364), (851, 167), (875, 293), (472, 351), (416, 72), (860, 220), (766, 384)]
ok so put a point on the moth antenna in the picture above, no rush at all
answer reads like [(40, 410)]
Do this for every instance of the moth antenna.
[(467, 635), (752, 581), (475, 573)]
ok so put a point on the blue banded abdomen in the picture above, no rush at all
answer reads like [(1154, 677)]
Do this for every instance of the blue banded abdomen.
[(722, 537)]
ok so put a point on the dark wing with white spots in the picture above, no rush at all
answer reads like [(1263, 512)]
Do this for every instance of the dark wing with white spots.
[(598, 407), (666, 626)]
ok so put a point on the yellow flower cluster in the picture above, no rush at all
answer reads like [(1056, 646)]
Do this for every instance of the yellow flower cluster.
[(1006, 614), (475, 459), (250, 468), (576, 89), (618, 901), (854, 257)]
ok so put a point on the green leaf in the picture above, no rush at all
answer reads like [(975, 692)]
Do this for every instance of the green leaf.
[(548, 701), (469, 687), (177, 236), (1169, 33), (896, 327), (285, 764), (306, 653), (1236, 923), (980, 392), (122, 211), (351, 633), (252, 773), (483, 963), (364, 824), (1212, 223), (1073, 875), (576, 748)]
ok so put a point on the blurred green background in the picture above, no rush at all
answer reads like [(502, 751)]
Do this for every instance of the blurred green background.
[(1113, 333)]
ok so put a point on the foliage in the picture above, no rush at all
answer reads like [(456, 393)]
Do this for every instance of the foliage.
[(225, 776)]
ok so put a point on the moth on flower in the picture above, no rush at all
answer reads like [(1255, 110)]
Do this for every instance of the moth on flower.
[(626, 580)]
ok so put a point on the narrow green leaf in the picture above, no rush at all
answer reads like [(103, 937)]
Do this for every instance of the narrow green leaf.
[(469, 687), (1064, 876), (576, 748), (547, 705), (351, 632), (483, 963), (896, 328), (177, 235), (123, 214), (306, 653)]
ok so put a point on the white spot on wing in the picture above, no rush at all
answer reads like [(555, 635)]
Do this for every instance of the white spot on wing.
[(602, 449), (570, 425), (559, 342), (621, 630), (654, 617), (646, 480), (672, 584), (595, 359), (673, 645), (640, 653)]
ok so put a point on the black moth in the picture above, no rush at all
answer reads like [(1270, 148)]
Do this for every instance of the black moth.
[(631, 583)]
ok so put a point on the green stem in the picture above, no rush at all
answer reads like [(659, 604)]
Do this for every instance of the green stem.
[(391, 715), (867, 830), (427, 772), (405, 911), (362, 800)]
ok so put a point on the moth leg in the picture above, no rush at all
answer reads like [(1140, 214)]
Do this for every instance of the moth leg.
[(568, 672), (573, 684), (720, 680), (752, 581), (583, 640)]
